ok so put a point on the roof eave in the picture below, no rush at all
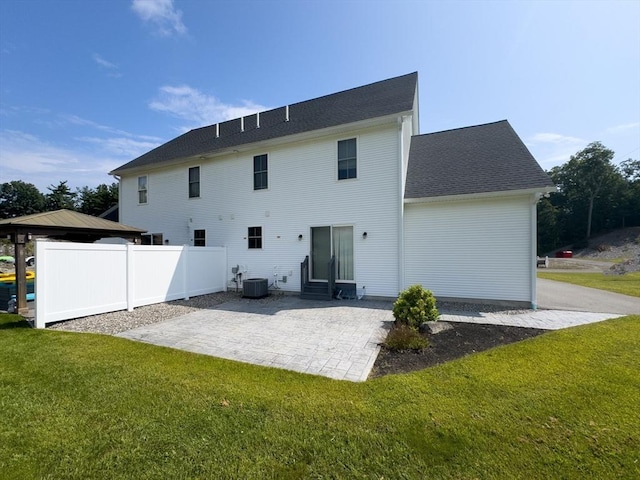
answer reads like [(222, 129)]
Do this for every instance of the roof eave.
[(483, 195), (296, 137)]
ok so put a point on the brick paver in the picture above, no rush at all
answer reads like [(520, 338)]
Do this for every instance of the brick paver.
[(337, 339)]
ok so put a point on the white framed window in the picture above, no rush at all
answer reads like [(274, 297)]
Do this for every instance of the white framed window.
[(199, 238), (260, 172), (255, 237), (142, 189), (347, 159), (194, 182)]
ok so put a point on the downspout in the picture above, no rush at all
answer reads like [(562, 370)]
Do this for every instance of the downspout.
[(400, 205), (533, 264)]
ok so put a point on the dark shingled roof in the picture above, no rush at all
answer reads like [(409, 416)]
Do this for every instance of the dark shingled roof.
[(472, 160), (378, 99)]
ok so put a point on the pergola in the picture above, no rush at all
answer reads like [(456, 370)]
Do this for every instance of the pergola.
[(62, 225)]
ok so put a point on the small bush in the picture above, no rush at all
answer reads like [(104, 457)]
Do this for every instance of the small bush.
[(414, 306), (403, 337), (603, 247)]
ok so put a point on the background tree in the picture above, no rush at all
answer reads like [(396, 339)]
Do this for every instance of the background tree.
[(630, 170), (18, 198), (96, 201), (588, 175), (60, 196)]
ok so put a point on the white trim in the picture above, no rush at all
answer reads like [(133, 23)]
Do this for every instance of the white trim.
[(336, 159), (533, 250), (268, 144), (253, 173), (483, 195)]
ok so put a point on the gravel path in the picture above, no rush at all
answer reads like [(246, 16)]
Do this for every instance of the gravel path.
[(121, 321)]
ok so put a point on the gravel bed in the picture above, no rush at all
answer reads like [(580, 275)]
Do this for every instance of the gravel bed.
[(121, 321)]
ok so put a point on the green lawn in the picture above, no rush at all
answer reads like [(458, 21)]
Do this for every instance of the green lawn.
[(82, 406), (628, 284)]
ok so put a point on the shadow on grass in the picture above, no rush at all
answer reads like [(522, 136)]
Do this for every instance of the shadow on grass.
[(12, 322)]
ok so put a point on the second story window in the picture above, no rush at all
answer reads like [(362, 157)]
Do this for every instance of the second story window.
[(260, 180), (142, 189), (194, 182), (347, 159)]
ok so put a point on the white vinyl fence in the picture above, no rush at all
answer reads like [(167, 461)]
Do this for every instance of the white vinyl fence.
[(77, 279)]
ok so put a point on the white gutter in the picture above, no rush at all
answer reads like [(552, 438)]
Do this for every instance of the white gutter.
[(400, 205), (476, 196), (533, 264)]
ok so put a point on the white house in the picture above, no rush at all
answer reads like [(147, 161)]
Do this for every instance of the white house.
[(343, 189)]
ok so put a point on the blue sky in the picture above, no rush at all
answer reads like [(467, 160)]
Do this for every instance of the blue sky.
[(87, 85)]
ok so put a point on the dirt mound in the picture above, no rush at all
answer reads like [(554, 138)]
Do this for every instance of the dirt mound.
[(621, 246)]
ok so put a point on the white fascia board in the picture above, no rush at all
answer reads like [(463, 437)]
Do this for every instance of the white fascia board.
[(478, 196), (266, 144)]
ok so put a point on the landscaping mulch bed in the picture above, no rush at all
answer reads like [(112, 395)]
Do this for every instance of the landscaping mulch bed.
[(461, 340)]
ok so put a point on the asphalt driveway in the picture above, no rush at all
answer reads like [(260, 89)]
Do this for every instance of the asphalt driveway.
[(554, 295)]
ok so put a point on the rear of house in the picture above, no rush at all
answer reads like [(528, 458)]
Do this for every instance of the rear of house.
[(347, 177)]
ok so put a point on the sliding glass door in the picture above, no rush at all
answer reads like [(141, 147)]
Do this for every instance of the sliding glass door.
[(328, 241)]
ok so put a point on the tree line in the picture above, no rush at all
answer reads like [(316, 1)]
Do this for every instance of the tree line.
[(594, 196), (19, 198)]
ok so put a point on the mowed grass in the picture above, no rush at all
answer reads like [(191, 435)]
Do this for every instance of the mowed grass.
[(628, 284), (83, 406)]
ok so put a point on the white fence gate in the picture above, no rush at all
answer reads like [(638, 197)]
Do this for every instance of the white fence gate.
[(76, 279)]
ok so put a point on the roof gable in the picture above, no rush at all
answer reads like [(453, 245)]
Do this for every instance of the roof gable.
[(472, 160), (375, 100)]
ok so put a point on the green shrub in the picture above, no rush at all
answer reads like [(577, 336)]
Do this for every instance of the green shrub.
[(414, 306), (404, 337)]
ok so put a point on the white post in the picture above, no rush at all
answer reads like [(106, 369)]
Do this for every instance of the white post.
[(41, 296), (185, 270), (130, 276)]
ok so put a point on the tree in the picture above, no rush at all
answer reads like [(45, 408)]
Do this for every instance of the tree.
[(18, 198), (631, 196), (586, 176), (60, 197), (98, 200)]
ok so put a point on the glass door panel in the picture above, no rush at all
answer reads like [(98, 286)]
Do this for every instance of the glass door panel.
[(320, 252), (343, 251)]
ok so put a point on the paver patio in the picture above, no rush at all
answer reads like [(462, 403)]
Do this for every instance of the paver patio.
[(337, 339)]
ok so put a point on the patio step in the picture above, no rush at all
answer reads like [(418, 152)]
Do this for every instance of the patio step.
[(315, 291)]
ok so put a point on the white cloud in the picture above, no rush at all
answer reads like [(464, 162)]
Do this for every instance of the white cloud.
[(193, 105), (554, 138), (103, 63), (25, 153), (551, 149), (123, 147), (624, 128), (162, 14), (76, 120), (111, 68)]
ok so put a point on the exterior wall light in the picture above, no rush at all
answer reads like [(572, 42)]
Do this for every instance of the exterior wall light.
[(364, 236), (300, 237)]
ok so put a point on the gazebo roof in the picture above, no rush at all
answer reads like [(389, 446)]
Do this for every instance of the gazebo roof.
[(67, 224)]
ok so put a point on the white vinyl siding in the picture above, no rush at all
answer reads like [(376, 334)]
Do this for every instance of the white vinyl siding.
[(303, 192), (470, 249)]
